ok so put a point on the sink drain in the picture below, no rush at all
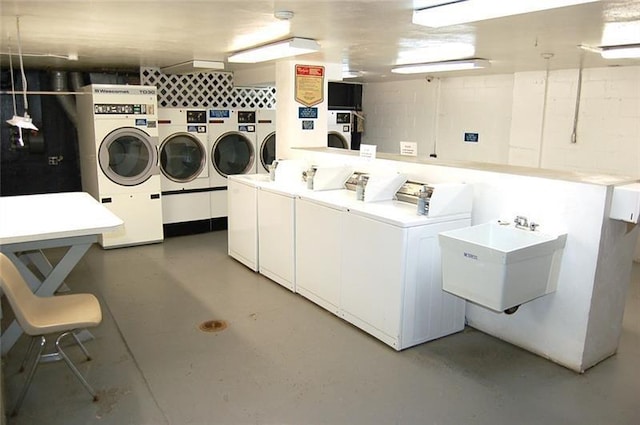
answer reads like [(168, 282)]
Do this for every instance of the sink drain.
[(213, 326)]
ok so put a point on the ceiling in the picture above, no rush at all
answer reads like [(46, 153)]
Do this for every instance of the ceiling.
[(365, 35)]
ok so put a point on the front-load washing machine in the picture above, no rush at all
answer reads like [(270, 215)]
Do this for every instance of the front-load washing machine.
[(118, 144), (232, 136), (339, 129), (265, 139), (184, 148)]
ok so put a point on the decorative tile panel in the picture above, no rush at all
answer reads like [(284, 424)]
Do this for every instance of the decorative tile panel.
[(206, 90)]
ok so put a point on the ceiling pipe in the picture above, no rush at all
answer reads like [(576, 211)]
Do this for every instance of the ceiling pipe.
[(59, 84)]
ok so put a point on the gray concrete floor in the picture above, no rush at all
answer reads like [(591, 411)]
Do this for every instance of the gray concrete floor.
[(282, 360)]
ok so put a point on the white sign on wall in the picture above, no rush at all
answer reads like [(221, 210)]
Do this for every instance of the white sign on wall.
[(368, 151), (408, 148)]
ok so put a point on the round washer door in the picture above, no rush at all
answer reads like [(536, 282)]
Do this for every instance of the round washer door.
[(128, 156), (182, 157), (268, 150), (336, 140), (232, 154)]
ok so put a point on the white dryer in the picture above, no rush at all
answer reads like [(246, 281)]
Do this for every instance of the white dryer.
[(339, 129), (232, 136), (265, 139), (184, 148), (118, 144)]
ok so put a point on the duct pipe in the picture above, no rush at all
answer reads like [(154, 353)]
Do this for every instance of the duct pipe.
[(59, 84)]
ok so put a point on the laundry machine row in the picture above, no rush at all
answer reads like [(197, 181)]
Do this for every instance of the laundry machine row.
[(118, 146)]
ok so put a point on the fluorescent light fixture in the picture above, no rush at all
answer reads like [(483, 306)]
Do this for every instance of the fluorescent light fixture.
[(281, 49), (451, 12), (435, 52), (458, 65), (193, 67), (628, 51)]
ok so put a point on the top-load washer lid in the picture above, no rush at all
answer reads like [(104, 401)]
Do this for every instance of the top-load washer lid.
[(233, 153), (336, 140), (268, 150), (182, 157), (128, 156)]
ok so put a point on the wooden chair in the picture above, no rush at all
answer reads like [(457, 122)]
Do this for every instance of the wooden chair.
[(43, 316)]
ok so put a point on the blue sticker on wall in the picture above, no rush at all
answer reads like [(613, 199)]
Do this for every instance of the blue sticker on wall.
[(219, 113), (471, 137), (308, 113)]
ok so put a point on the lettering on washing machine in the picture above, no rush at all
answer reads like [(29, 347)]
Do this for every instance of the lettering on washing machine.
[(141, 122), (247, 128), (219, 113), (196, 128), (471, 137)]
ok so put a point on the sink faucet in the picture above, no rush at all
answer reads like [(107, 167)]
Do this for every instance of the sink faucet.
[(522, 222)]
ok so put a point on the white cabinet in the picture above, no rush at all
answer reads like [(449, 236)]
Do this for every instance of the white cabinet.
[(391, 281), (276, 246), (318, 239), (243, 222)]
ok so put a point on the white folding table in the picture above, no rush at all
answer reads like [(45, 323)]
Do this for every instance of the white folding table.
[(31, 223)]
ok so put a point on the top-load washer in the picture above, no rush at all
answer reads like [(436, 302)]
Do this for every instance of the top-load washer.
[(265, 139), (184, 148), (232, 137), (339, 129), (118, 145)]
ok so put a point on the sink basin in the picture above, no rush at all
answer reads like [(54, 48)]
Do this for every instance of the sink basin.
[(499, 266)]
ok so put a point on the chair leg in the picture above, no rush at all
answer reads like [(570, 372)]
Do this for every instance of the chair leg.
[(32, 372), (32, 343), (81, 345), (73, 368)]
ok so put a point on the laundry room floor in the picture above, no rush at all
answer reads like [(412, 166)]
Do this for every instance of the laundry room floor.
[(282, 360)]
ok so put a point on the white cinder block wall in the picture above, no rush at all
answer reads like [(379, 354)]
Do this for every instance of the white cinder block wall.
[(522, 119)]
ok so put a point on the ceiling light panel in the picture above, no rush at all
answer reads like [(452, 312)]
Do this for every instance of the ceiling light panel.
[(465, 11), (193, 67), (423, 68), (631, 51), (278, 50), (436, 53)]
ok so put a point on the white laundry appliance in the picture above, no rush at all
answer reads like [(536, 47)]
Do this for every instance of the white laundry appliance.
[(265, 139), (184, 149), (118, 144), (339, 129), (377, 264), (232, 137)]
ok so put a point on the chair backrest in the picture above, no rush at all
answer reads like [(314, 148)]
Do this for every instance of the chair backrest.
[(17, 290)]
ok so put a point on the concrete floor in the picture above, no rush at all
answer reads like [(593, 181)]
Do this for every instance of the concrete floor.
[(282, 360)]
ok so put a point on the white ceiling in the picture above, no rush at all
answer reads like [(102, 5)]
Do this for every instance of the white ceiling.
[(365, 35)]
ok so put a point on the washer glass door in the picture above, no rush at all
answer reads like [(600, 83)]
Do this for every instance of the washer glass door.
[(335, 140), (232, 154), (268, 150), (128, 156), (182, 157)]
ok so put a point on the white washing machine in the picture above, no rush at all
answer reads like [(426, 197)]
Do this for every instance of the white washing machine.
[(265, 139), (232, 137), (339, 129), (184, 149), (118, 144)]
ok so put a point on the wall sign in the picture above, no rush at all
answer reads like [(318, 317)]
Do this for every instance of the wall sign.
[(368, 151), (309, 113), (309, 84), (408, 148), (471, 137), (307, 125)]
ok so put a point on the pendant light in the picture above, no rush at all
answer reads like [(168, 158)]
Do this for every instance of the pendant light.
[(22, 122)]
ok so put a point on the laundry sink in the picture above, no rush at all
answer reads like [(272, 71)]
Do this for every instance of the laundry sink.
[(500, 266)]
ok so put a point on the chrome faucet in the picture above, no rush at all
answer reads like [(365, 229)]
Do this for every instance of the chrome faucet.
[(522, 222)]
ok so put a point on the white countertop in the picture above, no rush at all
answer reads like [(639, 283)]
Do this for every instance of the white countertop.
[(573, 176), (29, 218)]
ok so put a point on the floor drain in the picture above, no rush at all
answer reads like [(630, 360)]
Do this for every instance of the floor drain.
[(213, 326)]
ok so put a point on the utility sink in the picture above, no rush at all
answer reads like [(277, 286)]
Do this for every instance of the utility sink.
[(500, 266)]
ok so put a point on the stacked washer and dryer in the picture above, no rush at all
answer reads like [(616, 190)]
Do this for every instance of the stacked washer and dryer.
[(184, 149), (339, 129), (118, 144)]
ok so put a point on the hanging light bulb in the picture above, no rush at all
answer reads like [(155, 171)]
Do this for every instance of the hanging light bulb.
[(25, 120)]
